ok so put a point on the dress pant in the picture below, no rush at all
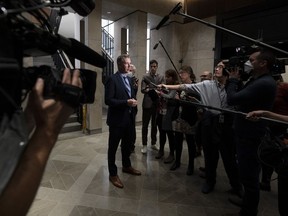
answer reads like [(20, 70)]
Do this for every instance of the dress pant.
[(190, 139), (147, 115), (117, 134), (219, 137), (249, 169), (162, 134), (283, 191), (134, 132)]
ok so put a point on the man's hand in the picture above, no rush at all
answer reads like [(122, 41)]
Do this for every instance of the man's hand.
[(161, 86), (234, 73), (132, 102), (51, 114)]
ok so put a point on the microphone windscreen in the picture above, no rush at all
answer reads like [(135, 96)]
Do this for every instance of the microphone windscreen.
[(162, 22), (85, 54), (176, 8), (155, 46)]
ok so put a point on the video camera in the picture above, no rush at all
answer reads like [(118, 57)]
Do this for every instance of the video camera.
[(26, 31), (241, 61)]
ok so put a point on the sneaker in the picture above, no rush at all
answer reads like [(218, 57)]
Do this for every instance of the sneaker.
[(169, 159), (144, 150), (154, 147)]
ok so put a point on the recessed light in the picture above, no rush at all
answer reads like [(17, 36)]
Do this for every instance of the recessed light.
[(108, 12)]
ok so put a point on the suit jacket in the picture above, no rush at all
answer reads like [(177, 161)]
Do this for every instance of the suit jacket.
[(116, 96), (149, 102)]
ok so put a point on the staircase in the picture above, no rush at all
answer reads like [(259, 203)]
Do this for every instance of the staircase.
[(72, 124)]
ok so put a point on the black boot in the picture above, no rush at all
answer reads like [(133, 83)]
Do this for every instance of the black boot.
[(159, 155), (175, 166)]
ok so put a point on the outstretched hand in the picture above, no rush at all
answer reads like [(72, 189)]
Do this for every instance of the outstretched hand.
[(51, 114), (255, 115)]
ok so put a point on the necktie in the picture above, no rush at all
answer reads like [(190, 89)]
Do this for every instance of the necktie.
[(127, 85)]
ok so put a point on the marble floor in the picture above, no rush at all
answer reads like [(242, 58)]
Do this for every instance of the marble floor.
[(76, 183)]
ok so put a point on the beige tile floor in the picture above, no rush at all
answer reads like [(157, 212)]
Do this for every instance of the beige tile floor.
[(76, 183)]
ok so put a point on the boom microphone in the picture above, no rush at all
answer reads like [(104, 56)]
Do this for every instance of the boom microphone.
[(176, 8), (165, 18), (155, 46), (162, 22)]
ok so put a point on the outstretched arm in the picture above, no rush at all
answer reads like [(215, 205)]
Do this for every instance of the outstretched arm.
[(254, 115), (49, 116), (172, 87)]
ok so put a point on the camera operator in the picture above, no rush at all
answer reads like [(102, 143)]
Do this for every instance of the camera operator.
[(257, 93), (48, 116)]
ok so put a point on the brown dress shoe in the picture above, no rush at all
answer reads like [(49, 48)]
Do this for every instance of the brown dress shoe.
[(116, 181), (131, 170)]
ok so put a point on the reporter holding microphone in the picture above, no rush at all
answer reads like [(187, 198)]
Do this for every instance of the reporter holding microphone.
[(216, 128)]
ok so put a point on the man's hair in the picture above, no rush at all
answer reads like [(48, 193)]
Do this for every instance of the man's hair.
[(266, 55), (153, 61), (121, 58), (224, 71), (189, 70)]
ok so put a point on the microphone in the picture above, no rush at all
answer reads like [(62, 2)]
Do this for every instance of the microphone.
[(150, 83), (155, 46), (165, 18)]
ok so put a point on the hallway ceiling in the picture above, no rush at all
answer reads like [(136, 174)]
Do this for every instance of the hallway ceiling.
[(157, 9)]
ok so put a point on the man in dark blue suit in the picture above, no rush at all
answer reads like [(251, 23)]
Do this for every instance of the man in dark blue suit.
[(120, 98)]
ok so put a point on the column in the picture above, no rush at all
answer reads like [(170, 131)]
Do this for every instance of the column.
[(93, 40)]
